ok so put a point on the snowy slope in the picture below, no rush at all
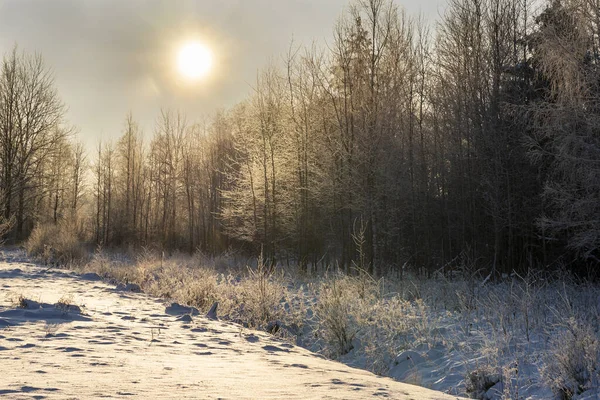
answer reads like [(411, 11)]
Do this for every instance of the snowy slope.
[(114, 343)]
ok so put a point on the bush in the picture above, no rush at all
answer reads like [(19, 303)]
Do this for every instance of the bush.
[(56, 243), (199, 288)]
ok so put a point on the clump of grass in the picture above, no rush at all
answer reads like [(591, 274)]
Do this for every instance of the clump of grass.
[(338, 315), (200, 290), (65, 303), (17, 300), (253, 297), (113, 268)]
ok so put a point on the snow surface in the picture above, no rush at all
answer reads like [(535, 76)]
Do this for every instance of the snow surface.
[(116, 343)]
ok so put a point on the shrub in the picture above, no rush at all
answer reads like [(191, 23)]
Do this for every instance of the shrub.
[(387, 330), (200, 289), (56, 243), (263, 291)]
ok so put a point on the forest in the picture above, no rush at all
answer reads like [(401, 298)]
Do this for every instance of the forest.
[(399, 146)]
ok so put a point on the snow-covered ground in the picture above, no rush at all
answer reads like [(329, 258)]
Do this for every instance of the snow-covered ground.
[(64, 335), (518, 340)]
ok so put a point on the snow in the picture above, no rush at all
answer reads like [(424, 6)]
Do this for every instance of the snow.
[(116, 343), (464, 352)]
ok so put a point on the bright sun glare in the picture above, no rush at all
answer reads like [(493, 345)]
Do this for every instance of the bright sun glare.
[(194, 60)]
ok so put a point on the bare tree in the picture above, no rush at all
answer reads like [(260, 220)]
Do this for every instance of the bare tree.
[(30, 115)]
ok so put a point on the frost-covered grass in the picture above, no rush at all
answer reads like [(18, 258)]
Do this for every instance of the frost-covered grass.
[(533, 336)]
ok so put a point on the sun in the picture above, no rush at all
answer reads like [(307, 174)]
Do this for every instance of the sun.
[(194, 60)]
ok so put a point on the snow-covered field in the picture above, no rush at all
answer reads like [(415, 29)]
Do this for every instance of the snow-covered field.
[(64, 335)]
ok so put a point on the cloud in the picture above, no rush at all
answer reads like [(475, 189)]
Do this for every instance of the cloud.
[(113, 56)]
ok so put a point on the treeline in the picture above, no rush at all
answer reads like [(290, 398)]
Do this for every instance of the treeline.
[(394, 147)]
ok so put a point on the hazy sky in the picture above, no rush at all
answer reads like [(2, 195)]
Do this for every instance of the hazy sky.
[(110, 57)]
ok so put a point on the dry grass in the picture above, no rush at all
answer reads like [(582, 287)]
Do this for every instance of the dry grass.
[(253, 297)]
